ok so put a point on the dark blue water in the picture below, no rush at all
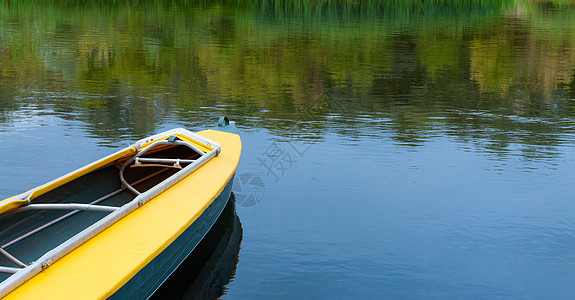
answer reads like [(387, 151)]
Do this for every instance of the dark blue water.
[(407, 154)]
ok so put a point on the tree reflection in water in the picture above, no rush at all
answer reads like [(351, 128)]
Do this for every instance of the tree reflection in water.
[(494, 74)]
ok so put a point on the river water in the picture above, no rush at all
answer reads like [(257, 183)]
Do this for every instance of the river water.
[(391, 149)]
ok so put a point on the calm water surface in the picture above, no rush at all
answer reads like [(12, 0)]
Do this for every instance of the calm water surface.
[(390, 150)]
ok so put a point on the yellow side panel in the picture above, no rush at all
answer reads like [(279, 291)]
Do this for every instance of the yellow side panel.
[(102, 265), (196, 143)]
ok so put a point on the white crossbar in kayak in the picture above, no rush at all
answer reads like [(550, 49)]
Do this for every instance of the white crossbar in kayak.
[(11, 258), (164, 160), (69, 206), (9, 270), (160, 162), (141, 161)]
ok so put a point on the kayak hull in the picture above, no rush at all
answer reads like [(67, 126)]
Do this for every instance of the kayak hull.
[(136, 241)]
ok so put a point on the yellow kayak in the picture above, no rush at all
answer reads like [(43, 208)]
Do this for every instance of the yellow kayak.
[(117, 228)]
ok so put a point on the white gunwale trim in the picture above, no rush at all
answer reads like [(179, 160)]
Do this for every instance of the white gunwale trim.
[(68, 246)]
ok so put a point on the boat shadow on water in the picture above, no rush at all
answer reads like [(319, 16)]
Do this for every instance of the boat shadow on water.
[(212, 265)]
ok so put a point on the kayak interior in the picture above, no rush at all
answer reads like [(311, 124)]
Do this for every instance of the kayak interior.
[(27, 234)]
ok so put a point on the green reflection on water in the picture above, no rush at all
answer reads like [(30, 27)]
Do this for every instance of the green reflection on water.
[(490, 73)]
